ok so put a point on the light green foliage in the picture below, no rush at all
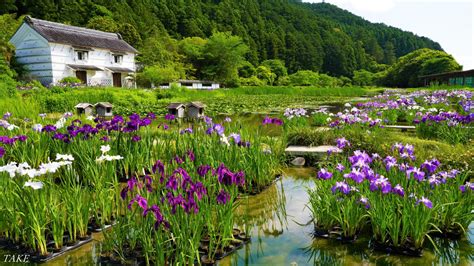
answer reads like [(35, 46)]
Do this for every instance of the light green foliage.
[(130, 34), (223, 54), (276, 66), (70, 80), (266, 75), (159, 49), (408, 69), (103, 23), (363, 78), (157, 75)]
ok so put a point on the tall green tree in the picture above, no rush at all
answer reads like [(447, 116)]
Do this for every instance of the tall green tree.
[(223, 54)]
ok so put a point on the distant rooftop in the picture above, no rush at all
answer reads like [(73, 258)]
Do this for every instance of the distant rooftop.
[(79, 37)]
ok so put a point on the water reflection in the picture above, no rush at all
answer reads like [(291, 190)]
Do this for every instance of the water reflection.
[(282, 236), (277, 220)]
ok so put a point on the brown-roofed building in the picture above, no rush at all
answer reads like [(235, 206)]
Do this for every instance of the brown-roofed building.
[(52, 51)]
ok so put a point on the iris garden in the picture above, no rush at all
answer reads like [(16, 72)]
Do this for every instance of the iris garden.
[(167, 191)]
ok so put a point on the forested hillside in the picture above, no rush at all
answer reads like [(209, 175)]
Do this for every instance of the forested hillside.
[(317, 37)]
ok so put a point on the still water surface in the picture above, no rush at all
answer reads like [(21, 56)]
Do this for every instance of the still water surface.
[(278, 221)]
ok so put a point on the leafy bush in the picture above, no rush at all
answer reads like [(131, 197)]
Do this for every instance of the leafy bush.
[(70, 80)]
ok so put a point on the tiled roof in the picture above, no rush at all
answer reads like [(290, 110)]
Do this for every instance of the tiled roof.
[(80, 37)]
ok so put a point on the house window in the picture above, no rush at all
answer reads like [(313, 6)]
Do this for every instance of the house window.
[(118, 58), (82, 55)]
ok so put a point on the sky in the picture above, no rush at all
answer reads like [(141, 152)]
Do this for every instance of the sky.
[(448, 22)]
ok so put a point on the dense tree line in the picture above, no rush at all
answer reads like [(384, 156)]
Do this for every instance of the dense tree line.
[(317, 37)]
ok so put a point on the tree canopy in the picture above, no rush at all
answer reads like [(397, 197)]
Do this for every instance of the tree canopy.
[(318, 37)]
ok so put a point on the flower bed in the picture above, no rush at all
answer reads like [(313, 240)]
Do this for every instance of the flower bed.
[(82, 190), (399, 201)]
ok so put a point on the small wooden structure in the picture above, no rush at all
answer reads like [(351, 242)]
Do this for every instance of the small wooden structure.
[(84, 109), (103, 109), (177, 109), (195, 110)]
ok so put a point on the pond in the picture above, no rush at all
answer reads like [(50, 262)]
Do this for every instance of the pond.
[(281, 232)]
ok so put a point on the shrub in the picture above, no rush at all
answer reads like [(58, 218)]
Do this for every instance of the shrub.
[(70, 80)]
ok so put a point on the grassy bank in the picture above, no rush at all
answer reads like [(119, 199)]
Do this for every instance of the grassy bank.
[(126, 101)]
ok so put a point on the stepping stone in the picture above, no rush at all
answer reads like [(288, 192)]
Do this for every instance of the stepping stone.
[(298, 161), (402, 128), (305, 150)]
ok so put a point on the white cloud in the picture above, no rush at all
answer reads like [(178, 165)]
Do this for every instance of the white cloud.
[(375, 6)]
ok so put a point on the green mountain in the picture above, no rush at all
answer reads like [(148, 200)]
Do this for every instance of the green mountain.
[(318, 37)]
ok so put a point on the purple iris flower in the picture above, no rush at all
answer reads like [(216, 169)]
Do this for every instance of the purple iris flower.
[(418, 174), (209, 131), (431, 165), (170, 117), (141, 201), (267, 120), (340, 167), (203, 170), (134, 117), (157, 213), (425, 202), (239, 178), (124, 192), (207, 120), (117, 119), (389, 162), (235, 137), (136, 138), (151, 115), (172, 182), (324, 174), (355, 175), (466, 186), (22, 138), (342, 187), (435, 180), (2, 151), (190, 206), (158, 167), (105, 139), (453, 173), (382, 183), (186, 130), (145, 122), (277, 121), (191, 155), (398, 189), (225, 176), (364, 201), (244, 144), (219, 129), (49, 128), (342, 143), (7, 115), (223, 197)]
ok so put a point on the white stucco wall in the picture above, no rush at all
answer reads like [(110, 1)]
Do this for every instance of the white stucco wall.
[(32, 50), (63, 54), (48, 62)]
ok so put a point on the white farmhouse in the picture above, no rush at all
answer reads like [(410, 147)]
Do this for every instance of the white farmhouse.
[(52, 51)]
